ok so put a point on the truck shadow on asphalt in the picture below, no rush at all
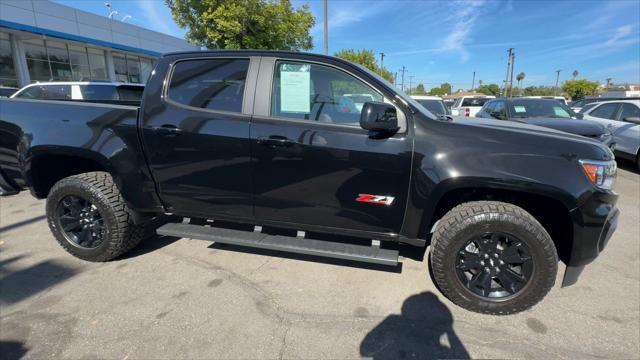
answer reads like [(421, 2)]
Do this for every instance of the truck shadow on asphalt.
[(18, 285), (627, 165), (424, 330), (150, 244), (12, 350), (22, 223)]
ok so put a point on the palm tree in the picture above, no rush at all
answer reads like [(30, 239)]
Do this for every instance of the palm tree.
[(520, 77), (574, 74)]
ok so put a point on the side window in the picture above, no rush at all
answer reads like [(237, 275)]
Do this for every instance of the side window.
[(318, 93), (98, 92), (457, 102), (215, 84), (32, 92), (488, 107), (605, 111), (499, 110), (629, 110)]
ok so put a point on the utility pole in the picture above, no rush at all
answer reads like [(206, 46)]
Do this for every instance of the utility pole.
[(382, 55), (326, 29), (473, 82), (506, 80), (608, 83), (557, 79), (395, 79), (410, 83), (513, 64), (403, 70)]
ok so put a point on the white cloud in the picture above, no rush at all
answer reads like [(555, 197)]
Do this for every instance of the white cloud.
[(621, 32), (463, 19), (157, 20)]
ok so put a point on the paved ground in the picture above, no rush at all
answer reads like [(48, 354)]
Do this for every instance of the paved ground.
[(186, 299)]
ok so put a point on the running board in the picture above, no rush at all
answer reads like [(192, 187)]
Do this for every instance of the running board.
[(300, 245)]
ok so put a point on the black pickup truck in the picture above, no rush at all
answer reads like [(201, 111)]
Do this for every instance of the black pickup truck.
[(268, 140)]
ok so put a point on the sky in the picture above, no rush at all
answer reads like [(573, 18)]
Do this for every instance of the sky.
[(446, 41)]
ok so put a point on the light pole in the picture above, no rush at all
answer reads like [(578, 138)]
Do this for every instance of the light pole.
[(473, 82), (382, 55), (326, 29), (557, 79)]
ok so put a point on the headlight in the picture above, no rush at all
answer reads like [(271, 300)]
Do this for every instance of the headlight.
[(601, 173)]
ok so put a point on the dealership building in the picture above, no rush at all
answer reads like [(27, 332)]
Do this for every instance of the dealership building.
[(45, 41)]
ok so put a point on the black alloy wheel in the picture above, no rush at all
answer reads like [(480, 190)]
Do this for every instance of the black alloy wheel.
[(81, 222), (494, 265)]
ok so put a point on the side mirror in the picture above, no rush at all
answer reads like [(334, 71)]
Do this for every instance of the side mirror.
[(379, 116), (632, 119), (579, 116)]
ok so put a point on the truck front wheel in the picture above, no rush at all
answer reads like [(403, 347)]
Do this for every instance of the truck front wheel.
[(89, 218), (493, 258)]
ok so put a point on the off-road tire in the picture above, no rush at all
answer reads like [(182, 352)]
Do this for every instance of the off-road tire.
[(469, 219), (121, 234)]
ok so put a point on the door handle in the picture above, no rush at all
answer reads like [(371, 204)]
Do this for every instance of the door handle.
[(167, 130), (275, 140)]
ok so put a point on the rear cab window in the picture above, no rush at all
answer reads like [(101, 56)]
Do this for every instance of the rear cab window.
[(212, 83), (474, 101), (97, 92)]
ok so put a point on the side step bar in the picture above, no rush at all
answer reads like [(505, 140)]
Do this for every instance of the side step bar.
[(299, 245)]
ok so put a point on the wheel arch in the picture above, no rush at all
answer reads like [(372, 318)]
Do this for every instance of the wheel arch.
[(550, 208)]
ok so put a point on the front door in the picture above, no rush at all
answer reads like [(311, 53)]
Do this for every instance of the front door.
[(197, 138), (313, 163)]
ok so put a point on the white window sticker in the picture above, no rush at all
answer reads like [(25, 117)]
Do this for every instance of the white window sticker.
[(295, 87), (520, 109), (558, 111)]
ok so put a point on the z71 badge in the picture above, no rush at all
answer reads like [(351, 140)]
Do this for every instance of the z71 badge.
[(375, 199)]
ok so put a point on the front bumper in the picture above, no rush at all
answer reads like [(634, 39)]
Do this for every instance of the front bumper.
[(594, 222)]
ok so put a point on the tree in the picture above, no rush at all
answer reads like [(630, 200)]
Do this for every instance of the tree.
[(539, 91), (419, 90), (246, 24), (437, 91), (443, 89), (574, 74), (491, 89), (577, 89), (520, 77), (446, 87), (367, 59)]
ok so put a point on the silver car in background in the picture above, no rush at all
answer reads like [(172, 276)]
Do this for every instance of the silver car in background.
[(622, 118)]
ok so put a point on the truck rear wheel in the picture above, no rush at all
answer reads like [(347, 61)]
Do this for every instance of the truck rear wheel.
[(89, 218), (493, 258)]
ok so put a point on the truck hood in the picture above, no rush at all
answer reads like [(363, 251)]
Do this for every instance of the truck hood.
[(579, 127), (513, 125)]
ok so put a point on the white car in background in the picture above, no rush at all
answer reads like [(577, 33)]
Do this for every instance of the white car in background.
[(434, 104), (622, 118), (81, 90), (359, 99), (469, 105)]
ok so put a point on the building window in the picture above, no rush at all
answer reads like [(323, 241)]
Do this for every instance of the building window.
[(7, 70), (132, 69), (52, 60)]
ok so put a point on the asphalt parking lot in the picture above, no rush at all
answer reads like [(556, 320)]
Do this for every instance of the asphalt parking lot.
[(180, 298)]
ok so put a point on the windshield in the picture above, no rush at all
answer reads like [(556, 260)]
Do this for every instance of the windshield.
[(435, 106), (539, 108)]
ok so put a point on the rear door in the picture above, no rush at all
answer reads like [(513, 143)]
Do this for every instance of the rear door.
[(313, 164), (627, 134), (197, 137)]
